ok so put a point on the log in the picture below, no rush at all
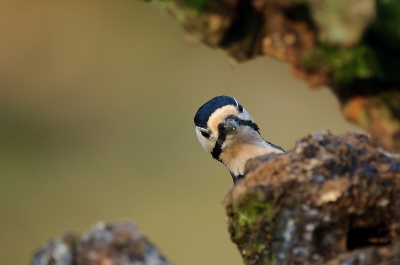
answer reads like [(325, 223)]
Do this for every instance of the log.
[(331, 200)]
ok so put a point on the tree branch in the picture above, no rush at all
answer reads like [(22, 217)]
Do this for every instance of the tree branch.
[(351, 46)]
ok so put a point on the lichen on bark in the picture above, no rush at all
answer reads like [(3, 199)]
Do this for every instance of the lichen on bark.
[(331, 200)]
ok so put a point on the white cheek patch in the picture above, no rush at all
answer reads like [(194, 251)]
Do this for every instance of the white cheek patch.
[(245, 116), (208, 144)]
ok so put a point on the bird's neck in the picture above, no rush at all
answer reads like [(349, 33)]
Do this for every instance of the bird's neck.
[(245, 145), (235, 157)]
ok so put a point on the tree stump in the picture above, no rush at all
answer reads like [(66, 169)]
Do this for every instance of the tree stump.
[(331, 200)]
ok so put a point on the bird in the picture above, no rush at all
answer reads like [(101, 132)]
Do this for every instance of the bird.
[(227, 131)]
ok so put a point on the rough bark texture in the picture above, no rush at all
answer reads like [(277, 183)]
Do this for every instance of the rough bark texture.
[(331, 200), (351, 46), (105, 244)]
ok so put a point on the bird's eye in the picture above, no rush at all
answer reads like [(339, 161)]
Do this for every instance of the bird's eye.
[(240, 108), (206, 135)]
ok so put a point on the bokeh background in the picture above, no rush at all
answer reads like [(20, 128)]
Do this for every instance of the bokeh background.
[(97, 100)]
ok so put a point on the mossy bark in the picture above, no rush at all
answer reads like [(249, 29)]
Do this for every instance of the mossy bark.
[(331, 200), (351, 46)]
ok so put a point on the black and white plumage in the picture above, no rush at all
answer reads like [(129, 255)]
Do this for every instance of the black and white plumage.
[(227, 131)]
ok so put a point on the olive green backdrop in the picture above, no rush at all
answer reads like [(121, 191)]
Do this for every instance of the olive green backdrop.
[(97, 100)]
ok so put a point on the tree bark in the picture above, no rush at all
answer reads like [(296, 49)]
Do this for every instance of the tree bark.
[(331, 200)]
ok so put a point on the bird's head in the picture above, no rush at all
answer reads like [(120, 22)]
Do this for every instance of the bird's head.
[(227, 131), (218, 120)]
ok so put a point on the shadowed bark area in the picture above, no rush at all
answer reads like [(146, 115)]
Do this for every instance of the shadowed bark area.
[(351, 46), (105, 244), (331, 200)]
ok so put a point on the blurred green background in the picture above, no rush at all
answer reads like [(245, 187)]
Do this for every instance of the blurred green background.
[(97, 100)]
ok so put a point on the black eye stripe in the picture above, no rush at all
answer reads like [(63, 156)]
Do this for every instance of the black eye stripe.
[(240, 108), (206, 135)]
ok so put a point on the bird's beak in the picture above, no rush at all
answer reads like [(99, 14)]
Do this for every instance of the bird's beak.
[(231, 123)]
